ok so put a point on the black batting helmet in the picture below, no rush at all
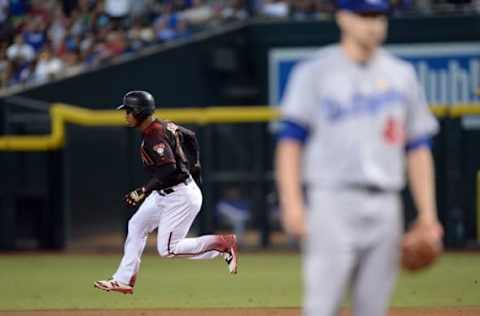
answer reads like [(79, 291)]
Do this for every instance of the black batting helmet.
[(140, 103)]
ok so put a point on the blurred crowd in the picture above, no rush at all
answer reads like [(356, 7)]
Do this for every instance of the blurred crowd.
[(45, 39)]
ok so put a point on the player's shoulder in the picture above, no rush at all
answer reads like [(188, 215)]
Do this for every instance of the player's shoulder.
[(394, 63), (325, 55), (320, 60), (156, 129)]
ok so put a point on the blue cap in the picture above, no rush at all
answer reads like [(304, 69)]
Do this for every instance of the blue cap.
[(380, 6)]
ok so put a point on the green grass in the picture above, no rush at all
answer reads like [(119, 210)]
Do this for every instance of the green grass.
[(66, 282), (454, 281)]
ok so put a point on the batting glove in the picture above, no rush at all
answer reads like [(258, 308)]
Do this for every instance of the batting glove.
[(136, 197)]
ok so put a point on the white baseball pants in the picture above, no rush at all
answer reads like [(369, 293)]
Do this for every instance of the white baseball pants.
[(173, 215), (353, 242)]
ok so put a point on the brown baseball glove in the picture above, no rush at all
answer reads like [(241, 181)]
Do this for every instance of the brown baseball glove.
[(421, 246)]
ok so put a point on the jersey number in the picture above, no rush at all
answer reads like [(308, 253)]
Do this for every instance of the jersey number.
[(393, 133)]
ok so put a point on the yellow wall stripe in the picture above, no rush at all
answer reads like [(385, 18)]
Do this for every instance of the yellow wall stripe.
[(62, 114)]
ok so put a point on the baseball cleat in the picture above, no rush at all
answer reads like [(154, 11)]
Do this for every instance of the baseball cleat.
[(114, 286), (231, 256)]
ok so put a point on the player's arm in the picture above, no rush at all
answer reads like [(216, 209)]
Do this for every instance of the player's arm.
[(298, 107), (163, 162), (162, 172), (288, 174), (421, 178), (137, 196), (422, 243), (160, 158), (193, 150), (421, 181), (420, 127)]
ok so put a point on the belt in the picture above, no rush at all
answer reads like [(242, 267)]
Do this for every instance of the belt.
[(167, 191), (369, 188)]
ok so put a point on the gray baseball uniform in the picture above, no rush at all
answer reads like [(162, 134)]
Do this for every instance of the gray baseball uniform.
[(358, 120)]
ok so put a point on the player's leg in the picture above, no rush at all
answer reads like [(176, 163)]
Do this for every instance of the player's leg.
[(180, 209), (328, 254), (140, 224), (378, 268)]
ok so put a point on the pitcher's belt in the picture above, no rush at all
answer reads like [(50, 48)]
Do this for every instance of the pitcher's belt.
[(370, 188)]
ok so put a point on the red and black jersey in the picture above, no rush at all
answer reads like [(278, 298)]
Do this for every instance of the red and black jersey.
[(159, 156), (156, 149)]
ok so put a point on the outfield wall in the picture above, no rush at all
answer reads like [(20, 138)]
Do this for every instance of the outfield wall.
[(226, 68), (61, 186)]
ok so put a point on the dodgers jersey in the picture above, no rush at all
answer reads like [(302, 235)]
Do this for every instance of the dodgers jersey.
[(360, 118)]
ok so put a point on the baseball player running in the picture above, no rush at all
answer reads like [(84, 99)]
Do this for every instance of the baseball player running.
[(170, 201), (354, 119)]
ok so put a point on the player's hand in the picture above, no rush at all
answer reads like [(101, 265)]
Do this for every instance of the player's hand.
[(422, 244), (431, 228), (135, 197), (294, 222)]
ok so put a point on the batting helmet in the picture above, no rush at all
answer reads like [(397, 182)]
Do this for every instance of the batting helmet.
[(364, 6), (140, 103)]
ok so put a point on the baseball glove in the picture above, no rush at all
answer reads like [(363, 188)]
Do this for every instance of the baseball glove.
[(421, 246)]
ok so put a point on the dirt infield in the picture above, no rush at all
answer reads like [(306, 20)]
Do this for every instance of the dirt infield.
[(241, 312)]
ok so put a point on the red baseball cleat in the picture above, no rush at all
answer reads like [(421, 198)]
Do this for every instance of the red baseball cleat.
[(231, 255)]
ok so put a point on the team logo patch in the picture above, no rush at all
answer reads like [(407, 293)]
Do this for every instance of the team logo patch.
[(159, 149)]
